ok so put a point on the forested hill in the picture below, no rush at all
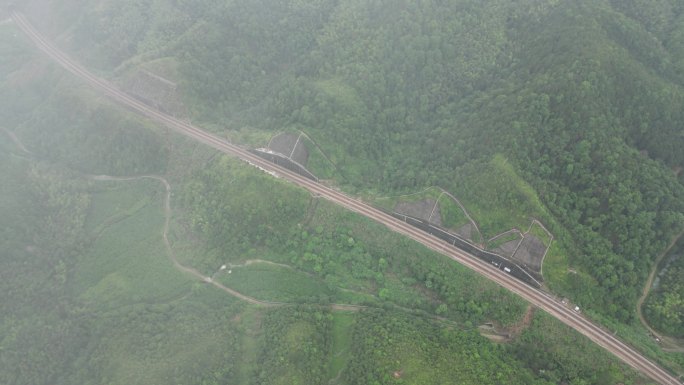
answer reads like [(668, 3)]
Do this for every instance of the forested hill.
[(584, 98)]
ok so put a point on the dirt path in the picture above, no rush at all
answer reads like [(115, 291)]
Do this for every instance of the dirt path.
[(167, 244), (524, 323), (668, 344), (507, 334), (250, 262), (16, 140), (197, 274), (342, 307)]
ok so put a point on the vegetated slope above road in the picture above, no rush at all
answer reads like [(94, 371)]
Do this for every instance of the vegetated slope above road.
[(664, 306)]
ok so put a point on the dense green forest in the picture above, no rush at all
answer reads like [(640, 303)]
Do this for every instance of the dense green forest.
[(90, 296), (582, 98), (346, 253), (569, 112), (665, 305), (388, 348)]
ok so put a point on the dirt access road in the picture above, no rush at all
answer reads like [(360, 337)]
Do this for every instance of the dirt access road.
[(542, 300), (167, 244)]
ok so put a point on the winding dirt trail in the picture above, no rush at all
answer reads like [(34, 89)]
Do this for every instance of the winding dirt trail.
[(169, 249), (342, 307), (195, 273), (668, 344)]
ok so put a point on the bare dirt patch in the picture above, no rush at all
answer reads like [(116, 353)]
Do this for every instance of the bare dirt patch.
[(497, 333), (291, 146), (515, 329), (423, 209), (283, 143), (531, 252), (507, 249)]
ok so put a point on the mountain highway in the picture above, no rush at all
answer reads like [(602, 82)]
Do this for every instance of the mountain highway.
[(542, 300)]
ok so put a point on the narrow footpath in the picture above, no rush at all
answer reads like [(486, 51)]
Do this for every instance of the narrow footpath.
[(667, 343), (169, 250)]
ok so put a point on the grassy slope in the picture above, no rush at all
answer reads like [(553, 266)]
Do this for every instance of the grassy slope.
[(110, 310), (150, 323), (111, 274), (341, 343), (274, 283)]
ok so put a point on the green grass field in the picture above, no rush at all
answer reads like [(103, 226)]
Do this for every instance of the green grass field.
[(185, 340), (113, 273), (539, 232), (497, 197), (503, 239), (250, 325), (388, 203), (342, 326), (268, 282), (153, 322), (116, 200), (318, 164), (452, 215)]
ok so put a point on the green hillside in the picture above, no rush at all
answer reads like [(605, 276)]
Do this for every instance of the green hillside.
[(569, 112), (584, 98)]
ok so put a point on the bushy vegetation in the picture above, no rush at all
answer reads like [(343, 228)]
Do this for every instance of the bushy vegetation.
[(238, 210), (92, 137), (664, 307), (391, 348), (559, 356), (102, 307), (296, 347)]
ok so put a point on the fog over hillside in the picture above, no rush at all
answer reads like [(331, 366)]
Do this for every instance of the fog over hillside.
[(555, 126)]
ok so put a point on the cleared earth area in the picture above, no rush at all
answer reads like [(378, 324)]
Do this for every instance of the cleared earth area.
[(291, 146)]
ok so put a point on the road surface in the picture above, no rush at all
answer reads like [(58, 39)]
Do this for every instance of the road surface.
[(538, 298)]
